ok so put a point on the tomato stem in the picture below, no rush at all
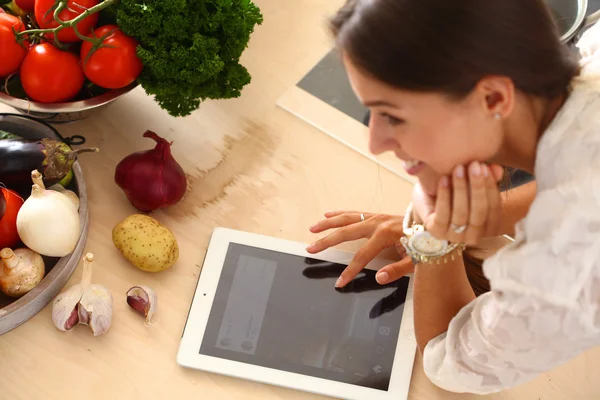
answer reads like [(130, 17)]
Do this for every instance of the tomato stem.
[(67, 24), (97, 43)]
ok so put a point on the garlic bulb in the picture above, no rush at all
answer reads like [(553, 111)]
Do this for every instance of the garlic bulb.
[(37, 178), (48, 223), (23, 269), (143, 300), (85, 303)]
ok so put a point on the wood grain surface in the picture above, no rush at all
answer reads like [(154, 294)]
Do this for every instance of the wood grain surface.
[(251, 166)]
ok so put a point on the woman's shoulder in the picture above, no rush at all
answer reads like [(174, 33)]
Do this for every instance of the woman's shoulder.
[(556, 255)]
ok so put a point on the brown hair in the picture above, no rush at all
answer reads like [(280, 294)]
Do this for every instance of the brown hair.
[(448, 46), (474, 269)]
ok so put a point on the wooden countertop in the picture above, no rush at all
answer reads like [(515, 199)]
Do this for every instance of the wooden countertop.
[(252, 166)]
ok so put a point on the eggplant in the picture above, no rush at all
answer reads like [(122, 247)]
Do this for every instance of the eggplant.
[(2, 204), (19, 157)]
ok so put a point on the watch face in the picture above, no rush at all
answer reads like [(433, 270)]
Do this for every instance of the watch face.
[(426, 244)]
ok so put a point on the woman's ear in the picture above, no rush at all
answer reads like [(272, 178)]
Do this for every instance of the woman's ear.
[(498, 94)]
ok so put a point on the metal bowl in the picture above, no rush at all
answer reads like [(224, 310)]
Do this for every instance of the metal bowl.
[(65, 112), (14, 312)]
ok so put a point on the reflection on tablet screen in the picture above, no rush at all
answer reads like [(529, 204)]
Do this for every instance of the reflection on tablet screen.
[(282, 311)]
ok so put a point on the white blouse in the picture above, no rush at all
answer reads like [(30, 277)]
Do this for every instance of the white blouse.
[(544, 307)]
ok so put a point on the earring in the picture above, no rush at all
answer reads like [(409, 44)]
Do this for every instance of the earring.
[(498, 116)]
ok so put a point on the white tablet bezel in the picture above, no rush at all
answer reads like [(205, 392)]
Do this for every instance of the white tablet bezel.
[(188, 354)]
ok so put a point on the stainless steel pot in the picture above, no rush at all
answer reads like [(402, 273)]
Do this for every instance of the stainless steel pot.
[(573, 16)]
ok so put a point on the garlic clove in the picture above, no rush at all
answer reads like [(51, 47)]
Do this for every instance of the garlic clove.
[(144, 300), (83, 317), (85, 303), (71, 321), (64, 308), (96, 308)]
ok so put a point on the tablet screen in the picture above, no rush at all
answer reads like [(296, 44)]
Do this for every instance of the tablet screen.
[(283, 311)]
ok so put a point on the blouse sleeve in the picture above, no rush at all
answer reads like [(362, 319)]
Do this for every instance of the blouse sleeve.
[(544, 306), (493, 345)]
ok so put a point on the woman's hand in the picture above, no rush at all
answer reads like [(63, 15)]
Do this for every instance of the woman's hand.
[(383, 231), (468, 205)]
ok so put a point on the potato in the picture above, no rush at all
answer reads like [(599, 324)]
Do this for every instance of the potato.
[(146, 243)]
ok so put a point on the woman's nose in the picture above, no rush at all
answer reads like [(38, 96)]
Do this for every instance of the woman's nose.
[(380, 138)]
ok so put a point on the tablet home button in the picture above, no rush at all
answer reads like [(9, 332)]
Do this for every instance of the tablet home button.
[(409, 334)]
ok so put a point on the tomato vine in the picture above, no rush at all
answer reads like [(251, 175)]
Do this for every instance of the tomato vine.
[(60, 6)]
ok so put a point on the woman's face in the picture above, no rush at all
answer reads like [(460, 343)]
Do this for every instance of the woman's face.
[(431, 133)]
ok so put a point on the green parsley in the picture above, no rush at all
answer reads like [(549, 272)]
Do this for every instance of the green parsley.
[(190, 48)]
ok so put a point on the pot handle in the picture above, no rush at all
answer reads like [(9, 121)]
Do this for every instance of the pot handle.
[(591, 19)]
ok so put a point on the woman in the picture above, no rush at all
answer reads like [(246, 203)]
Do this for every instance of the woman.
[(460, 88)]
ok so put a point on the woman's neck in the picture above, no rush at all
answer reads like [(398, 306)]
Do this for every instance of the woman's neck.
[(525, 128)]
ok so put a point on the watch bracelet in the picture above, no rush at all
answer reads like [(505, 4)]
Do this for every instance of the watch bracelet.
[(454, 249)]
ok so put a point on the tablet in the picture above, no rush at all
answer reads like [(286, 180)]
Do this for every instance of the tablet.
[(265, 310)]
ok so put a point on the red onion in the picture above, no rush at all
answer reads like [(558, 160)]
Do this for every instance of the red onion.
[(152, 179)]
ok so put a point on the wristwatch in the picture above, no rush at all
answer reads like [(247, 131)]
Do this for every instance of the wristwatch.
[(422, 247)]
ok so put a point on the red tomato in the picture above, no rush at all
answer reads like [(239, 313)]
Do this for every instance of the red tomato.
[(12, 53), (50, 75), (9, 237), (114, 66), (44, 15), (2, 11), (26, 5)]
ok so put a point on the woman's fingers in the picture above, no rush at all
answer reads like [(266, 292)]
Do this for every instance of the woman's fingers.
[(494, 206), (497, 172), (471, 208), (400, 249), (364, 256), (345, 234), (336, 213), (335, 222), (338, 221), (395, 271), (460, 205), (478, 174), (438, 222)]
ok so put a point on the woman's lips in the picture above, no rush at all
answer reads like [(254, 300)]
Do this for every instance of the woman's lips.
[(413, 167)]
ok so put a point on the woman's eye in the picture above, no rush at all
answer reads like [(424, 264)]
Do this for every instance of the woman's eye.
[(393, 121)]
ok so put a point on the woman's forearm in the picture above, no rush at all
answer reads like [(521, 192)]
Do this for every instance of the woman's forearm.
[(515, 205), (440, 292)]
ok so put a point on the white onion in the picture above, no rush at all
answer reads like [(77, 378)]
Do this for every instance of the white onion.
[(48, 223)]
